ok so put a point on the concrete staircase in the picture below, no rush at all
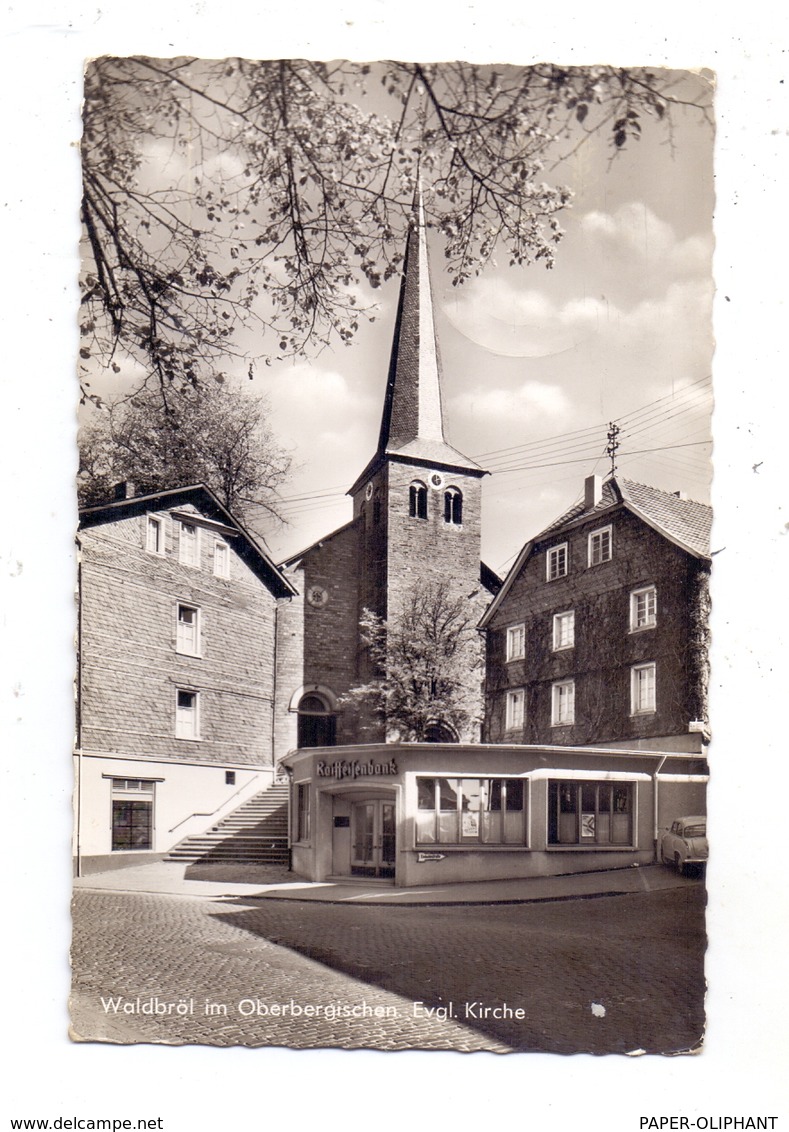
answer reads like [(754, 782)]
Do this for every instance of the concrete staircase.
[(254, 834)]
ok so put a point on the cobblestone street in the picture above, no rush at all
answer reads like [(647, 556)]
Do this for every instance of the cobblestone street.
[(614, 974)]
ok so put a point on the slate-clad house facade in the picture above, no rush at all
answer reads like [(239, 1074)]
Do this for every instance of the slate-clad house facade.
[(178, 609), (599, 634)]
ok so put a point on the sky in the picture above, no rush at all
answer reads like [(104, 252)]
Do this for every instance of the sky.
[(536, 362)]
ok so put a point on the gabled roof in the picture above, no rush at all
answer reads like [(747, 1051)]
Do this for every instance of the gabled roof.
[(683, 522), (214, 514), (295, 559)]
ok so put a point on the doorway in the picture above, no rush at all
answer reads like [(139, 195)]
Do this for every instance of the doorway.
[(373, 838)]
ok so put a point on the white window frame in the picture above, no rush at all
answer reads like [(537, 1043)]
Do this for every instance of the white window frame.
[(188, 632), (187, 720), (154, 535), (221, 552), (192, 558), (650, 621), (551, 556), (566, 616), (515, 709), (516, 642), (563, 703), (643, 697), (592, 559)]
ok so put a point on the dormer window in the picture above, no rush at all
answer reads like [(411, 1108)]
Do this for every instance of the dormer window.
[(453, 507), (417, 500)]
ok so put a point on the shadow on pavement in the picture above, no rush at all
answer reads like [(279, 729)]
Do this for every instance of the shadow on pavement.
[(614, 975)]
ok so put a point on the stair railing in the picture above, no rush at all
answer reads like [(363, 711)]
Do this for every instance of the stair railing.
[(210, 813)]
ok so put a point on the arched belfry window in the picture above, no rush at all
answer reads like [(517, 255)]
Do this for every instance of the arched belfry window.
[(317, 722), (417, 500), (453, 507)]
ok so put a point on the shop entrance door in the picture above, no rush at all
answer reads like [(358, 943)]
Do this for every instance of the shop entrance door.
[(373, 844)]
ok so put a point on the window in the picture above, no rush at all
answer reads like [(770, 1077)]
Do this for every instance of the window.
[(188, 545), (515, 709), (590, 813), (471, 811), (187, 723), (303, 811), (221, 560), (564, 630), (187, 630), (154, 535), (230, 778), (132, 814), (516, 642), (417, 500), (556, 562), (563, 703), (453, 507), (642, 689), (643, 608), (600, 546)]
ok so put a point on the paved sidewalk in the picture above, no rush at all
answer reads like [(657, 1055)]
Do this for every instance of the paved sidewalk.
[(168, 877)]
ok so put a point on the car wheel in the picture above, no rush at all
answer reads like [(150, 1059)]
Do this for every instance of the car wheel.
[(678, 864)]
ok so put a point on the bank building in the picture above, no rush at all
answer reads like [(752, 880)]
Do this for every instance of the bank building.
[(213, 722)]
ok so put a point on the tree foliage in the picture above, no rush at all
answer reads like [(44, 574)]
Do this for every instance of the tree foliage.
[(212, 436), (424, 656), (230, 199)]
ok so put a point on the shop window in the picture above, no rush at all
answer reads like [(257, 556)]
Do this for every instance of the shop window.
[(317, 723), (642, 689), (417, 500), (471, 811), (154, 535), (516, 642), (564, 630), (556, 561), (563, 703), (221, 560), (453, 507), (187, 721), (189, 545), (515, 709), (132, 814), (187, 630), (303, 811), (643, 609), (590, 813), (600, 546)]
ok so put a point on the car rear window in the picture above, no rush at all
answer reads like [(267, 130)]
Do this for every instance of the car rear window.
[(695, 830)]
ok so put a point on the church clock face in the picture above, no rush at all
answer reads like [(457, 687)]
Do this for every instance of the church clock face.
[(317, 596), (436, 480), (368, 491)]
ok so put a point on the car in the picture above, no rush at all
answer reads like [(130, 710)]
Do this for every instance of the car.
[(685, 843)]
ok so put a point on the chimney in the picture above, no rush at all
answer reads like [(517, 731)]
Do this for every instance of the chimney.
[(593, 491), (124, 490)]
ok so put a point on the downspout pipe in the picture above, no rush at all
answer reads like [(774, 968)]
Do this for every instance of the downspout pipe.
[(655, 799)]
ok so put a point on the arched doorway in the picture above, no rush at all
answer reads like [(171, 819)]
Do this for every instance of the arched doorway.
[(438, 732), (317, 723)]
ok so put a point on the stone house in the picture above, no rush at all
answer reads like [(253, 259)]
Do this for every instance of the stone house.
[(599, 634), (177, 624)]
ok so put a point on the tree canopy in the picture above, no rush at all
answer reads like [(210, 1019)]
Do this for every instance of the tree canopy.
[(239, 209), (212, 436), (424, 655)]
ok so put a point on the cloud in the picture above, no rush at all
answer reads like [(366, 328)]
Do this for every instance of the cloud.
[(635, 238), (529, 402)]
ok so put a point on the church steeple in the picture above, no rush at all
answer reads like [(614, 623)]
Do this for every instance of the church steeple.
[(412, 424)]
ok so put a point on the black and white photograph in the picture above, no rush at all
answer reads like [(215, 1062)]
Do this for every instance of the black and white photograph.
[(391, 597), (394, 556)]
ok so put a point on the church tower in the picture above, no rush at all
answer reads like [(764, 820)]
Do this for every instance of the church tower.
[(418, 501), (416, 519)]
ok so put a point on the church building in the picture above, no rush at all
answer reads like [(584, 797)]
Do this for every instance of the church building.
[(416, 523)]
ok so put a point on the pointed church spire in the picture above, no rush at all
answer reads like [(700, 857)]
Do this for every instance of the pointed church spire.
[(413, 419)]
